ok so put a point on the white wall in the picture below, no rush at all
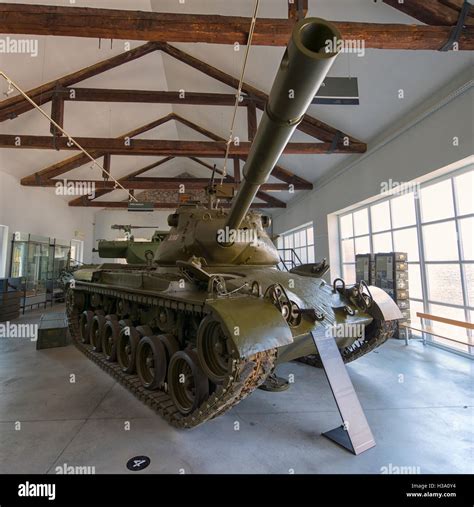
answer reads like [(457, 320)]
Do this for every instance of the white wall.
[(38, 211), (420, 147)]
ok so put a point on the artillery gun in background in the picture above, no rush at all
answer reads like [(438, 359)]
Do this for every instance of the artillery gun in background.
[(135, 252), (206, 323)]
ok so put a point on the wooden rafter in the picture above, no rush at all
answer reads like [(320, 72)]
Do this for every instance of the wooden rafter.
[(76, 94), (165, 183), (14, 106), (100, 193), (297, 9), (433, 12), (157, 26), (157, 205), (159, 147), (278, 171), (309, 125), (55, 170), (261, 194)]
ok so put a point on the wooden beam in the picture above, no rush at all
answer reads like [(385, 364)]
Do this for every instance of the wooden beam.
[(278, 171), (158, 205), (14, 106), (162, 183), (251, 121), (106, 165), (260, 194), (157, 26), (57, 114), (237, 170), (55, 170), (148, 96), (158, 147), (309, 125), (100, 193), (431, 13), (297, 9)]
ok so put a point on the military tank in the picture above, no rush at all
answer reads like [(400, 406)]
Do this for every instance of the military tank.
[(199, 329)]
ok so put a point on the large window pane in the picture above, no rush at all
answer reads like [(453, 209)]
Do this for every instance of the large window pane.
[(437, 201), (303, 256), (349, 273), (296, 240), (310, 236), (406, 240), (403, 210), (348, 250), (444, 283), (414, 281), (464, 185), (469, 274), (311, 254), (380, 216), (346, 226), (362, 245), (441, 242), (382, 242), (361, 222), (303, 241), (467, 234), (447, 330)]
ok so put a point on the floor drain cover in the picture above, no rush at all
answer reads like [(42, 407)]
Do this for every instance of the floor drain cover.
[(138, 463)]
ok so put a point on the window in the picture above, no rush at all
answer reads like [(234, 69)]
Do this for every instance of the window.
[(435, 227), (77, 249), (296, 247)]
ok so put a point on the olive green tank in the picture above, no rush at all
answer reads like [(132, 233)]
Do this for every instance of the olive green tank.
[(198, 329), (134, 252)]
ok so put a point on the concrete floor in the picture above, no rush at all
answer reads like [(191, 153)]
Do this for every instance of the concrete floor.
[(426, 421)]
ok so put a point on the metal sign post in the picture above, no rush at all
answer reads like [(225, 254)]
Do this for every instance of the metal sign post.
[(354, 434)]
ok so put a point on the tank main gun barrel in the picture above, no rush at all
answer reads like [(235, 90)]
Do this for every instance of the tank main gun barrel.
[(312, 49)]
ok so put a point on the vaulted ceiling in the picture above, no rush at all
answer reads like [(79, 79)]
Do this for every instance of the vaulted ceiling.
[(382, 73)]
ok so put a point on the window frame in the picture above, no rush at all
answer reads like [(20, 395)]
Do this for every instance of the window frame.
[(461, 262)]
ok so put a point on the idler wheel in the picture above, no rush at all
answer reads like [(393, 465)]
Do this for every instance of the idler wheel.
[(214, 349), (151, 362), (188, 384), (127, 344), (85, 322), (110, 336)]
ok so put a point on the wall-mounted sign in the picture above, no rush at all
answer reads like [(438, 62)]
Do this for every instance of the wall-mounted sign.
[(140, 206)]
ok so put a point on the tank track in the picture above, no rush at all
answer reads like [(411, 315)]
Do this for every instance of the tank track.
[(244, 377), (382, 332)]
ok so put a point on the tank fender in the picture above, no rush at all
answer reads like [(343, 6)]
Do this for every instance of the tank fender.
[(383, 306), (254, 324)]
